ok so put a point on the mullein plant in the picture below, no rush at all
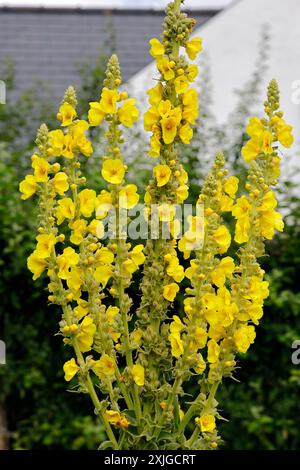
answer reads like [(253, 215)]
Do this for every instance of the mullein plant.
[(136, 361)]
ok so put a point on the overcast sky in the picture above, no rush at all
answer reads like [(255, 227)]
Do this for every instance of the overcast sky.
[(114, 3)]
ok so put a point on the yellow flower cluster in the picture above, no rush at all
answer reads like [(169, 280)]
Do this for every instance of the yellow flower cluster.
[(134, 355), (263, 134)]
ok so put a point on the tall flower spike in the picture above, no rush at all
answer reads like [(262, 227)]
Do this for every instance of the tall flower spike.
[(173, 110), (120, 110)]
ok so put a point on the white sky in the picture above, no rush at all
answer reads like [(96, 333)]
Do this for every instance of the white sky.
[(114, 3)]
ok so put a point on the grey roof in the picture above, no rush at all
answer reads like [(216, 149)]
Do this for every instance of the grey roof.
[(47, 44)]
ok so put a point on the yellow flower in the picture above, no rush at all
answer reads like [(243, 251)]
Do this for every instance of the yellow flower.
[(181, 84), (111, 313), (117, 419), (244, 337), (79, 227), (176, 326), (128, 112), (102, 274), (193, 47), (87, 201), (74, 280), (45, 244), (82, 309), (41, 168), (66, 114), (64, 262), (105, 366), (219, 310), (60, 183), (201, 366), (242, 230), (175, 271), (185, 246), (128, 268), (36, 265), (79, 128), (155, 145), (65, 210), (255, 127), (28, 187), (86, 334), (155, 94), (285, 136), (284, 132), (68, 147), (226, 203), (104, 256), (162, 174), (113, 171), (164, 108), (192, 72), (157, 48), (96, 113), (267, 140), (255, 312), (96, 228), (138, 374), (108, 101), (170, 291), (241, 208), (213, 351), (151, 117), (176, 344), (190, 106), (183, 177), (251, 149), (186, 133), (83, 145), (128, 196), (191, 271), (224, 270), (198, 340), (188, 306), (70, 369), (223, 238), (166, 68), (182, 193), (166, 212), (169, 129), (231, 186), (137, 255), (57, 142), (269, 219), (258, 290), (136, 337), (103, 204), (206, 423)]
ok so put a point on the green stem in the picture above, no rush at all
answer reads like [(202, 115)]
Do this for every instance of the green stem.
[(128, 353), (207, 407), (90, 386), (193, 437), (170, 400), (126, 396), (188, 415)]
